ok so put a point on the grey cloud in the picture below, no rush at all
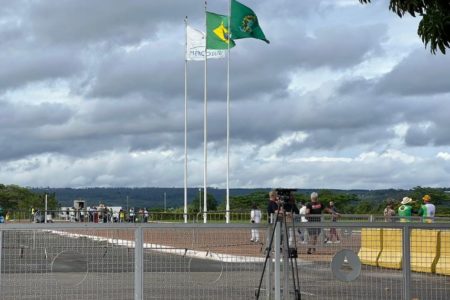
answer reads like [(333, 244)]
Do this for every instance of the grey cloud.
[(428, 120), (15, 116), (337, 139), (417, 136), (128, 101), (114, 21), (342, 46), (253, 71), (420, 73), (147, 71), (20, 67), (433, 135), (261, 74), (20, 124), (10, 32)]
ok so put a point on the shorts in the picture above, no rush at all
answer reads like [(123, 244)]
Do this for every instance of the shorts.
[(314, 231)]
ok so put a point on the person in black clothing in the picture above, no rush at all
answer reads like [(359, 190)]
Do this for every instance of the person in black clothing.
[(314, 211), (273, 206)]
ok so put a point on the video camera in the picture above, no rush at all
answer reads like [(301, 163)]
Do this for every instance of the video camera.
[(284, 194)]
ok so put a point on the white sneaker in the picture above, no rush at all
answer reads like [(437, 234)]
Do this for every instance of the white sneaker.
[(329, 242), (337, 242)]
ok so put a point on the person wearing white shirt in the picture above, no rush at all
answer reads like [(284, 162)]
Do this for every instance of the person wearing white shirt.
[(302, 231), (255, 217)]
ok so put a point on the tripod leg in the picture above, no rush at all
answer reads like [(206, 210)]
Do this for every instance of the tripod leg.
[(269, 249), (294, 266)]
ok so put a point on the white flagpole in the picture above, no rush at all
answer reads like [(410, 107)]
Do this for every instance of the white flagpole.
[(185, 125), (205, 127), (227, 208)]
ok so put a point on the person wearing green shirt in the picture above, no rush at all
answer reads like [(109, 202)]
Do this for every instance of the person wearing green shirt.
[(405, 210)]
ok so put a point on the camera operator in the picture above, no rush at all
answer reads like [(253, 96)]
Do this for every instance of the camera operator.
[(286, 208)]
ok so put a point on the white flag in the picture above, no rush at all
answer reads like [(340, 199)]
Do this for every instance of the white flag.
[(195, 46)]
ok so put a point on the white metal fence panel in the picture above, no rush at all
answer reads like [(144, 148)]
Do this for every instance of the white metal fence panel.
[(340, 259)]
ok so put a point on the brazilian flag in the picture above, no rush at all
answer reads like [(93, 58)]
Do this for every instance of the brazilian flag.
[(217, 35), (244, 23)]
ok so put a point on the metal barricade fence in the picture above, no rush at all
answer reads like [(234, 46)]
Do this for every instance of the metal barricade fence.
[(370, 260), (85, 216), (129, 261), (346, 259)]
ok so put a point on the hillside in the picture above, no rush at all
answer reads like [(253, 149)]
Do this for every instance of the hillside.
[(154, 197)]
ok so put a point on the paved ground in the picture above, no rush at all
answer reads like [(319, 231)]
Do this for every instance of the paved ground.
[(42, 265)]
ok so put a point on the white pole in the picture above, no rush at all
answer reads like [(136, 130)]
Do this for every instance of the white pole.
[(45, 217), (185, 125), (205, 127), (200, 199), (165, 206), (1, 248), (227, 208), (276, 246), (138, 263)]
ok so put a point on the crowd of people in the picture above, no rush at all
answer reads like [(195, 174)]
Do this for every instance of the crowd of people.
[(94, 214), (313, 210)]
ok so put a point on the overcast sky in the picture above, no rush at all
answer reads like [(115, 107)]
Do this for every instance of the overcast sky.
[(345, 96)]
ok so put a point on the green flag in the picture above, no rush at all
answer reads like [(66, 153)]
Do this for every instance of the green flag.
[(217, 36), (244, 23)]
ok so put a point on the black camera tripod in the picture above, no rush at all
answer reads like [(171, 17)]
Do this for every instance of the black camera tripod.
[(289, 253)]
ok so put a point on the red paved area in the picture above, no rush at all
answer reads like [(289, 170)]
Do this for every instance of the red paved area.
[(232, 241)]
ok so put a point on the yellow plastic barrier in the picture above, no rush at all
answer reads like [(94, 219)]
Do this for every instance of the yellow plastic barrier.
[(391, 253), (424, 250), (443, 263), (370, 246)]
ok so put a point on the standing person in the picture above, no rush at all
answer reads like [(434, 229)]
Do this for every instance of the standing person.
[(302, 231), (140, 216), (121, 216), (314, 210), (32, 214), (82, 213), (272, 207), (333, 231), (389, 211), (427, 210), (116, 216), (132, 216), (255, 218), (405, 210), (146, 214)]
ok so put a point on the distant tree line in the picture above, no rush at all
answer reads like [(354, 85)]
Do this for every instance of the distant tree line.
[(16, 198), (351, 203), (13, 197)]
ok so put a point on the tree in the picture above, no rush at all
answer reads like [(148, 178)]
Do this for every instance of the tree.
[(245, 202), (438, 195), (195, 205), (434, 28), (13, 197)]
